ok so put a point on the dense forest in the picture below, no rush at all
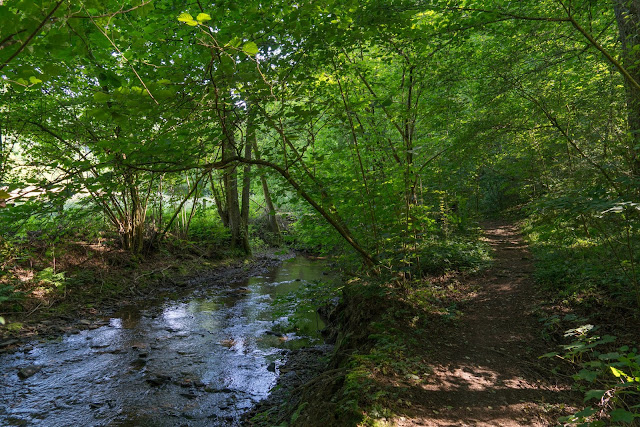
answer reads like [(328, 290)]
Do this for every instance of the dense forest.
[(380, 132)]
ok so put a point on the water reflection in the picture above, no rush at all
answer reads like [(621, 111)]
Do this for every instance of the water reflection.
[(200, 361)]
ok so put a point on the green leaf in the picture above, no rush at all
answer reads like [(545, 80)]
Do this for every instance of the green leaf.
[(594, 394), (617, 372), (587, 412), (250, 48), (609, 356), (203, 17), (34, 80), (4, 195), (101, 97), (235, 42), (2, 322), (587, 375), (187, 19), (621, 415)]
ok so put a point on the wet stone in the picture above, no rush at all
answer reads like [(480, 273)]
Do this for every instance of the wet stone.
[(96, 346), (158, 380), (218, 390), (28, 371), (138, 363), (189, 395)]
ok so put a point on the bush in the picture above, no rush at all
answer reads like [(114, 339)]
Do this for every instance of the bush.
[(611, 378)]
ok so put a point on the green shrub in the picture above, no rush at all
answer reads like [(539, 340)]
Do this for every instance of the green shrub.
[(610, 378)]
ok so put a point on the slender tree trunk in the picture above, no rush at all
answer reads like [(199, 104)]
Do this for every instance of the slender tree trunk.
[(246, 184), (271, 210), (219, 199), (230, 180), (628, 18), (194, 206)]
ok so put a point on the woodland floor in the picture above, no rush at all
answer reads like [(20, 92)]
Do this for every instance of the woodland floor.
[(486, 367)]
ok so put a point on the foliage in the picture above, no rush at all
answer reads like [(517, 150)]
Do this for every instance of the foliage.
[(49, 277), (8, 293), (611, 378), (458, 253), (585, 251), (206, 227)]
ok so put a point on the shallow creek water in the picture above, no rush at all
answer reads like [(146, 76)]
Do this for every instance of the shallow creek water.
[(201, 360)]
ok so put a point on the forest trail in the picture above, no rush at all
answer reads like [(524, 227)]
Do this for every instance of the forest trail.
[(486, 370)]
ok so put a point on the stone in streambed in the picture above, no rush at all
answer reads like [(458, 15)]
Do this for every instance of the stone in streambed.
[(28, 371)]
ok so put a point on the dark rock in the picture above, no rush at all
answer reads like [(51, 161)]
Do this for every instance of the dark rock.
[(138, 363), (218, 390), (271, 367), (99, 345), (28, 371), (158, 380), (275, 334)]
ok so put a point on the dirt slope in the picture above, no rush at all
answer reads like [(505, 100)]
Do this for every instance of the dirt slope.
[(486, 370)]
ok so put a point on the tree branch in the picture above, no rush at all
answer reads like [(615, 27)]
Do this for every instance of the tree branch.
[(32, 35)]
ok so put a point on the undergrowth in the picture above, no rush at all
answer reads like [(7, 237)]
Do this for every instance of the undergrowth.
[(608, 375), (587, 256)]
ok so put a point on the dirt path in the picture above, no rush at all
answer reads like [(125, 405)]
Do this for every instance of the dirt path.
[(486, 368)]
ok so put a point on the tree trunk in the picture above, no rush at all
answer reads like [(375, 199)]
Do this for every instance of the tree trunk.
[(220, 201), (230, 181), (628, 18), (246, 184), (132, 233), (271, 210)]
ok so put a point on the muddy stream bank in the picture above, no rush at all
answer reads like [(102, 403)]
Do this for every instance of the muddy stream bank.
[(200, 360)]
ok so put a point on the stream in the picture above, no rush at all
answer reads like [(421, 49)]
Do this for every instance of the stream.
[(201, 360)]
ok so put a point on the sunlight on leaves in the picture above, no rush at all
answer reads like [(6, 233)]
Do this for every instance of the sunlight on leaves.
[(250, 48), (203, 17), (187, 19)]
